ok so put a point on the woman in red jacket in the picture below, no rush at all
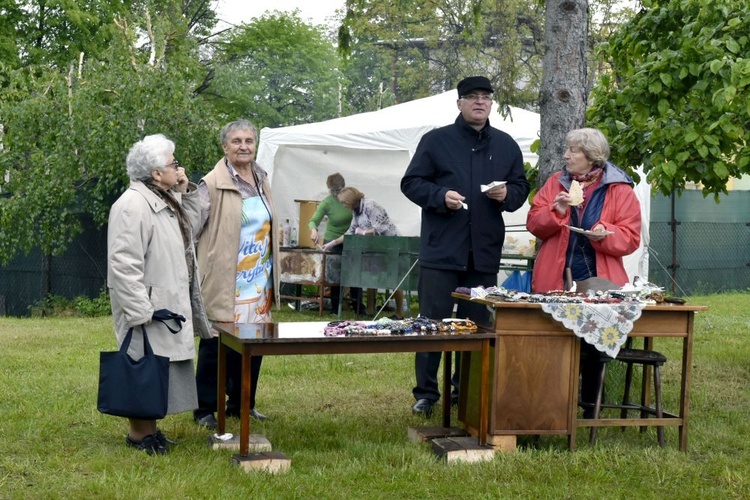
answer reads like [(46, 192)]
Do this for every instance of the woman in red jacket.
[(609, 208), (609, 212)]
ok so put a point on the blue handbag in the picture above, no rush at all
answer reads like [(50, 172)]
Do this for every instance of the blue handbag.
[(133, 389)]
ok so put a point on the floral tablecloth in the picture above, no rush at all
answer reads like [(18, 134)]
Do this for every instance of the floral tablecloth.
[(605, 326)]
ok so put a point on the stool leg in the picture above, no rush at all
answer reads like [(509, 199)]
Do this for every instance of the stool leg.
[(598, 403), (657, 397), (626, 393), (645, 398)]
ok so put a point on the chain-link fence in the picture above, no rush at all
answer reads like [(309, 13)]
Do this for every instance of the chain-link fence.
[(699, 246), (696, 246), (80, 271)]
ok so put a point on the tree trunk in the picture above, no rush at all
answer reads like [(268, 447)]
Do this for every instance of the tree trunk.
[(562, 100)]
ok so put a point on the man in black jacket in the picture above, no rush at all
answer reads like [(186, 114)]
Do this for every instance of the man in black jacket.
[(462, 230)]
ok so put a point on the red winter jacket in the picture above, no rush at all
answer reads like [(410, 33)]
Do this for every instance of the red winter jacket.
[(621, 213)]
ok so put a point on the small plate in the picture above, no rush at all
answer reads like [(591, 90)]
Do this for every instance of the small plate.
[(589, 232)]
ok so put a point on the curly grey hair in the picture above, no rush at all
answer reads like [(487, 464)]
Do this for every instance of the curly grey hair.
[(591, 142), (147, 155)]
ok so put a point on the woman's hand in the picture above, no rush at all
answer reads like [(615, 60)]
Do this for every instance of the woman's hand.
[(561, 203), (597, 237), (361, 232), (314, 235), (182, 181), (328, 246)]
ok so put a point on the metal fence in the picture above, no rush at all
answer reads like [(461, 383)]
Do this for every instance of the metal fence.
[(80, 271), (696, 246)]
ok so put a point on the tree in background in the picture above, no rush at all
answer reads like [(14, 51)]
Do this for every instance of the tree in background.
[(676, 100), (563, 95), (276, 71), (428, 46), (66, 131)]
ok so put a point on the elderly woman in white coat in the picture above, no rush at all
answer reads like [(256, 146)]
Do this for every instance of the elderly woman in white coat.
[(151, 265)]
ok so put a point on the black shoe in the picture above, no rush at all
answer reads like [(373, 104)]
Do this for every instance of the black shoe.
[(164, 440), (423, 407), (208, 421), (150, 444), (253, 413), (257, 415)]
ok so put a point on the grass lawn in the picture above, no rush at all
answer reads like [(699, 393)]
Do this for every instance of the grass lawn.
[(342, 419)]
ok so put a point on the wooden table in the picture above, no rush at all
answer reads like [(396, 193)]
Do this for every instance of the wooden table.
[(307, 338), (535, 371)]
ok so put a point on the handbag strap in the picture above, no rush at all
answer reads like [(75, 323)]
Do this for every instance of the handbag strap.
[(164, 315), (146, 344)]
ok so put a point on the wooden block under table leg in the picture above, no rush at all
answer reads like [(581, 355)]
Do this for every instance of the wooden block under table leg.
[(258, 443), (427, 433), (462, 449), (500, 443), (273, 461)]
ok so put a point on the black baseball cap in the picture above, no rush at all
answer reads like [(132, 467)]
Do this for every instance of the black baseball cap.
[(473, 83)]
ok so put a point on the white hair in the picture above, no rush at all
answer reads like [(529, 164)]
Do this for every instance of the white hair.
[(148, 154)]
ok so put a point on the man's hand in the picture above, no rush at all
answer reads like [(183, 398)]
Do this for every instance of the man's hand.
[(314, 235), (453, 200), (498, 193)]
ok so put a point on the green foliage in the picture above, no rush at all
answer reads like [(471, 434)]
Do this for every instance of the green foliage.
[(676, 100), (81, 306), (276, 71), (54, 32), (66, 134), (532, 171), (415, 48)]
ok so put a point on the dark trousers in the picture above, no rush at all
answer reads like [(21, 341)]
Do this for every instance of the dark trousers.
[(335, 290), (590, 368), (206, 378), (435, 302)]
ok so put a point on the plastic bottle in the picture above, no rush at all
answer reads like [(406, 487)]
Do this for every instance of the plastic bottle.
[(287, 233), (293, 237)]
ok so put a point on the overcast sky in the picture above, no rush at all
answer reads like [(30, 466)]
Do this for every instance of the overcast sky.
[(239, 11)]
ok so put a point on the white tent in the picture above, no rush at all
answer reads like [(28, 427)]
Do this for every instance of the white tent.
[(372, 151)]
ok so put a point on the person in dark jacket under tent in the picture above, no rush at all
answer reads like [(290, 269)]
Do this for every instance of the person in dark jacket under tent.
[(462, 230)]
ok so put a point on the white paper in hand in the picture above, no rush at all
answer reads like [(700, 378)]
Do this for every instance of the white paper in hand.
[(487, 187)]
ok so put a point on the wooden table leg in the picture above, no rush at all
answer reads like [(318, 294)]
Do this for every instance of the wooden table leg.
[(447, 362), (484, 392), (221, 393), (687, 361), (245, 401)]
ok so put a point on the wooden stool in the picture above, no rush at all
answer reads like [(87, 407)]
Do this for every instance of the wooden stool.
[(632, 357)]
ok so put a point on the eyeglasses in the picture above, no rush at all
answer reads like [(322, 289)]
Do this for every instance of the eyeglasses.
[(477, 97), (174, 164)]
